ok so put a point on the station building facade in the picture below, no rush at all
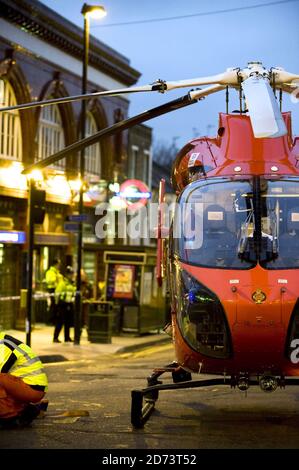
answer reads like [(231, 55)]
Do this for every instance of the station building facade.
[(41, 58)]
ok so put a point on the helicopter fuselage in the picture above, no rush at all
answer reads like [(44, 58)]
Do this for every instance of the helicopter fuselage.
[(234, 276)]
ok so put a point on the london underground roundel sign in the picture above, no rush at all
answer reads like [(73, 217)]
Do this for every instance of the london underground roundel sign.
[(135, 193)]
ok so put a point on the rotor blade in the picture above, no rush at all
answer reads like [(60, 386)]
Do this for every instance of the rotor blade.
[(293, 90), (69, 99), (282, 76), (230, 77), (115, 128), (123, 125), (227, 78), (289, 87), (266, 119), (198, 94)]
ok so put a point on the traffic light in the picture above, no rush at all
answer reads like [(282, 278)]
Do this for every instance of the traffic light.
[(38, 205)]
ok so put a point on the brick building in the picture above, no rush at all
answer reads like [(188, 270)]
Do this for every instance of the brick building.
[(40, 58)]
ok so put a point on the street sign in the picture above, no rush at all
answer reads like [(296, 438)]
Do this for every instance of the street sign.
[(134, 193), (78, 218), (71, 226)]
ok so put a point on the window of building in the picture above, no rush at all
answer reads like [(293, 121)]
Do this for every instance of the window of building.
[(140, 164), (134, 161), (10, 125), (146, 167), (50, 134), (92, 153)]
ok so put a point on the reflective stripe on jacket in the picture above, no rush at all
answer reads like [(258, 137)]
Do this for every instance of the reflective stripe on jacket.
[(65, 290), (18, 359)]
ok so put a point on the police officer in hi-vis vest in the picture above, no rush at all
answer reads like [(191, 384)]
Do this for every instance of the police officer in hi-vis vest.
[(52, 278), (23, 383), (65, 296)]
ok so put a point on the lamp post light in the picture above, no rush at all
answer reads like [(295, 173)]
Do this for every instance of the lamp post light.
[(88, 11)]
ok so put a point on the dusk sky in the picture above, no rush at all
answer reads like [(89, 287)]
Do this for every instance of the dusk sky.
[(204, 44)]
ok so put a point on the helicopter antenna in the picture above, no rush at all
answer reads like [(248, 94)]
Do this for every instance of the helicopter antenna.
[(227, 99), (240, 93)]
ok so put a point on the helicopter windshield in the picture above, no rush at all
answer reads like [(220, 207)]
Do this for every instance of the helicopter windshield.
[(234, 224)]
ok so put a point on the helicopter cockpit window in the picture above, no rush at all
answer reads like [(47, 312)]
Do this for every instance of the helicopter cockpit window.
[(280, 221), (235, 224), (214, 219)]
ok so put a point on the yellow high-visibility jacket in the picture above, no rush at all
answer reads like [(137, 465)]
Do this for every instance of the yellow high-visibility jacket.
[(65, 290), (18, 359), (52, 277)]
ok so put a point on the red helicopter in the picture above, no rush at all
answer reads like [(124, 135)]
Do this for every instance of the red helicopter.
[(232, 255)]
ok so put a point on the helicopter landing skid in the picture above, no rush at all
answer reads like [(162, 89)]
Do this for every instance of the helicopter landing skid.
[(143, 401)]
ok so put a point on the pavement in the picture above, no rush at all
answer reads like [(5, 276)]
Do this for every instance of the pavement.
[(42, 344)]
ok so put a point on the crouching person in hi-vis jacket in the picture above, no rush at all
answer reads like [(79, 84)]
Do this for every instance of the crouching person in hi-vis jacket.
[(23, 383)]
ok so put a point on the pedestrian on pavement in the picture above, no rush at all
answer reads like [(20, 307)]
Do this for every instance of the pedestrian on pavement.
[(86, 292), (65, 296), (52, 278), (23, 383)]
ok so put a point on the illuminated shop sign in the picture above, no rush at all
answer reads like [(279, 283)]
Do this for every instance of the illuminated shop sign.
[(12, 237), (97, 191)]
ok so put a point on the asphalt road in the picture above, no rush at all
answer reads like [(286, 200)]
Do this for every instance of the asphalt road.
[(210, 418)]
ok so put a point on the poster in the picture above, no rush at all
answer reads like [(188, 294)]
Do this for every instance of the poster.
[(124, 281)]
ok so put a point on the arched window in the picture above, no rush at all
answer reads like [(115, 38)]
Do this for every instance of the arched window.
[(92, 153), (10, 125), (50, 133)]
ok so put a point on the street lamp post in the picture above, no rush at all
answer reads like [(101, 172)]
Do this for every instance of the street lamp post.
[(36, 214), (88, 11), (29, 264)]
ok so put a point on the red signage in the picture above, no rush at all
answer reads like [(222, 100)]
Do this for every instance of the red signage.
[(135, 193)]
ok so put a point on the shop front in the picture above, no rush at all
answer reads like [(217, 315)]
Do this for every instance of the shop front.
[(11, 243), (130, 283)]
